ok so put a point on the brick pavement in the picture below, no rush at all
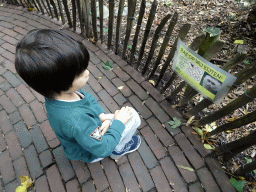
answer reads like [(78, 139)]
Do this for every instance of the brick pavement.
[(28, 145)]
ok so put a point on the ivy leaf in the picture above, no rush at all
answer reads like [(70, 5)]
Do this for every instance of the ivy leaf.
[(129, 46), (26, 182), (152, 82), (168, 4), (248, 160), (208, 128), (175, 123), (190, 120), (241, 42), (188, 168), (199, 131), (31, 9), (207, 146), (108, 66), (239, 185), (246, 62)]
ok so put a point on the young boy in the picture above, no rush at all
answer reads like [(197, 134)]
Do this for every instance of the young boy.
[(55, 65)]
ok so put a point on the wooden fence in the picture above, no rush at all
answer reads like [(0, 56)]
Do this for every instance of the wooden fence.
[(87, 16)]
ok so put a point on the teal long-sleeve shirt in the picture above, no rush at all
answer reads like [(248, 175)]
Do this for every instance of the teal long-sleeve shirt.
[(73, 123)]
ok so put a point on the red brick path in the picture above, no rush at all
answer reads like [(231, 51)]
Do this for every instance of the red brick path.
[(28, 145)]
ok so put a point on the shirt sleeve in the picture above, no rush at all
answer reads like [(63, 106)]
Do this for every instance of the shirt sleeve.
[(94, 103), (100, 148)]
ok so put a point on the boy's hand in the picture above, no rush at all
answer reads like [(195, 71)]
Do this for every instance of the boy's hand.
[(124, 114), (103, 117), (104, 127)]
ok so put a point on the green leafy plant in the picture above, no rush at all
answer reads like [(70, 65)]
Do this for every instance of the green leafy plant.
[(175, 123), (239, 185), (168, 4), (248, 160), (199, 131), (207, 146), (129, 46), (241, 42), (108, 66), (246, 62)]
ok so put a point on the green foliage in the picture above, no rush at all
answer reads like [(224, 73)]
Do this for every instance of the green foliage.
[(168, 4), (199, 131), (129, 46), (175, 123), (108, 66), (246, 62), (248, 160), (241, 42), (239, 185), (207, 146)]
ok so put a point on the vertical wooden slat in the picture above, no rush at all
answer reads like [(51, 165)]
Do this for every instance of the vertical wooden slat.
[(49, 7), (147, 30), (55, 9), (16, 2), (135, 39), (239, 57), (177, 90), (182, 34), (22, 3), (194, 46), (45, 7), (239, 102), (61, 12), (65, 4), (130, 18), (79, 14), (94, 19), (208, 55), (154, 42), (74, 14), (28, 4), (165, 43), (40, 6), (86, 16), (83, 17), (101, 20), (118, 23), (35, 5), (249, 118), (110, 22)]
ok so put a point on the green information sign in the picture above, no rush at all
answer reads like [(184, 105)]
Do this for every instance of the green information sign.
[(203, 76)]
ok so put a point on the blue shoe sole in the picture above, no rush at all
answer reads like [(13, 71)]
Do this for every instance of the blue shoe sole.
[(116, 157)]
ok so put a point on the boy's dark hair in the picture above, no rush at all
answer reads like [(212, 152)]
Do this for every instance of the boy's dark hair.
[(49, 60)]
